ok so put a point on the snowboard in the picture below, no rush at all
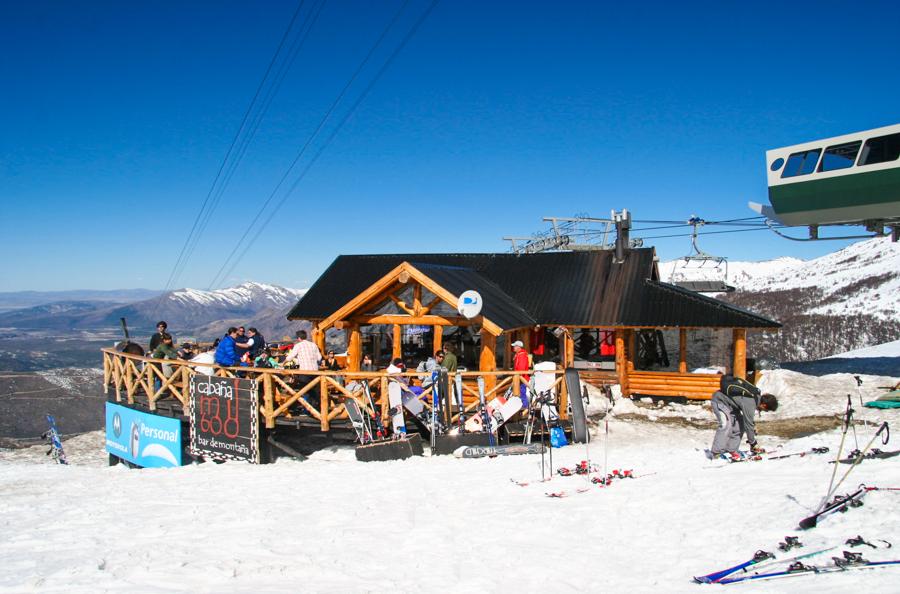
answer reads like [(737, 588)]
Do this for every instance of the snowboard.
[(500, 410), (363, 433), (579, 419), (395, 399), (499, 450)]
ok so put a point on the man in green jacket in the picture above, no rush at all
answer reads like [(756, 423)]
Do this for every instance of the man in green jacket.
[(449, 362), (165, 350)]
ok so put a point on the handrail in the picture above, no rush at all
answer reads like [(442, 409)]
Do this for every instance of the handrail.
[(130, 375)]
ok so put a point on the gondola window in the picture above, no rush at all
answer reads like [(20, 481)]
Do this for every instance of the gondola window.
[(802, 163), (840, 156), (880, 150)]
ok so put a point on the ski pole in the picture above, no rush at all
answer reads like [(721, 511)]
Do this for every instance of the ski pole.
[(859, 383), (434, 405), (848, 415), (606, 430), (884, 440)]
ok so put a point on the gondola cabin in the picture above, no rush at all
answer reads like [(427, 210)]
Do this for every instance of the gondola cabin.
[(851, 179)]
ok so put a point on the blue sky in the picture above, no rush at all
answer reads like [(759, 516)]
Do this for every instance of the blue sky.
[(117, 115)]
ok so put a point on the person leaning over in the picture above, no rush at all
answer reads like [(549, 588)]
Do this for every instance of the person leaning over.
[(735, 406)]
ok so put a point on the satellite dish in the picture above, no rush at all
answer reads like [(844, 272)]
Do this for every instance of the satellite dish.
[(469, 304)]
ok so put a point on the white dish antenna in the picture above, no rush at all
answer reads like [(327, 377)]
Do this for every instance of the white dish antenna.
[(469, 304)]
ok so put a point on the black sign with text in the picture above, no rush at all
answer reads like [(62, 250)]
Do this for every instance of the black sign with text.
[(224, 418)]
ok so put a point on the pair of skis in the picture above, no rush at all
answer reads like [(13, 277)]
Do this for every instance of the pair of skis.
[(847, 562), (762, 559), (367, 425)]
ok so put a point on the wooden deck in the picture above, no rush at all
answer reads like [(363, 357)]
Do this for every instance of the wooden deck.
[(157, 383)]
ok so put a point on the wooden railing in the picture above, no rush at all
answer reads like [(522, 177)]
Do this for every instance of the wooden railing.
[(134, 378)]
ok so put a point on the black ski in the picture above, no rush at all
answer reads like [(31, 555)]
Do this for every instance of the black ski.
[(838, 504), (873, 454)]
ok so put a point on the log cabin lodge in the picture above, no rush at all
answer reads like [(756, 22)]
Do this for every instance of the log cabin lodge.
[(581, 309), (605, 313)]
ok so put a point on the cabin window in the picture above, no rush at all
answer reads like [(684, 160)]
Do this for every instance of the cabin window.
[(880, 150), (777, 163), (840, 156), (801, 163)]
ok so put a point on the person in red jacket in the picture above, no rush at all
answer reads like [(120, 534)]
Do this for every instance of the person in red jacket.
[(521, 363)]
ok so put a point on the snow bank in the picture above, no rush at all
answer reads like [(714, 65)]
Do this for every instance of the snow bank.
[(442, 524), (888, 349)]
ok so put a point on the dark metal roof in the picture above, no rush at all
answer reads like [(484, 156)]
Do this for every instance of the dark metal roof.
[(564, 288), (497, 306)]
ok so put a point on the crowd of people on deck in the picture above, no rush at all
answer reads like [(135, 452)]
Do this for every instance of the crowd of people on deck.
[(241, 347)]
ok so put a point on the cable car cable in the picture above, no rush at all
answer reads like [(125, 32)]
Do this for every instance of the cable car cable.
[(334, 132), (181, 254), (218, 278), (256, 120)]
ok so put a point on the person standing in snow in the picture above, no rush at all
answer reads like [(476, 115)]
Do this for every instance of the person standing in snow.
[(735, 406)]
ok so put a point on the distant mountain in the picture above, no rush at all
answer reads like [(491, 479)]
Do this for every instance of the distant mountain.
[(845, 300), (23, 299), (186, 311)]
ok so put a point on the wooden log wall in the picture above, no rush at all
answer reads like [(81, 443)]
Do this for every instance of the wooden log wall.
[(696, 386)]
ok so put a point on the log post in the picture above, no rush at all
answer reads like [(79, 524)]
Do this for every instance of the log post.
[(319, 338), (268, 401), (569, 361), (354, 348), (417, 300), (525, 337), (488, 359), (398, 345), (105, 373), (324, 402), (438, 338), (739, 368), (564, 399), (630, 349), (383, 400), (682, 350), (621, 365)]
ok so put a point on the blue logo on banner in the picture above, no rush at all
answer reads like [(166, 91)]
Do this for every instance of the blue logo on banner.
[(141, 438)]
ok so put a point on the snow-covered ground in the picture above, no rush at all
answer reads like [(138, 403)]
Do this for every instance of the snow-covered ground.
[(888, 349), (332, 524)]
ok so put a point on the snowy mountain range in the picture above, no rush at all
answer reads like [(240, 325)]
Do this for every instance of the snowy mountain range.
[(844, 300), (185, 310)]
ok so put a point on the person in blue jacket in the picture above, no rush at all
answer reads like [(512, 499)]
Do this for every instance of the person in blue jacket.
[(226, 353)]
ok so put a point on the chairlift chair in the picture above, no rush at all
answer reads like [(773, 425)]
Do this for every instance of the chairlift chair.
[(699, 271)]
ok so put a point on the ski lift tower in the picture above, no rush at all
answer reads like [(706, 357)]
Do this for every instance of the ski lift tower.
[(699, 271)]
